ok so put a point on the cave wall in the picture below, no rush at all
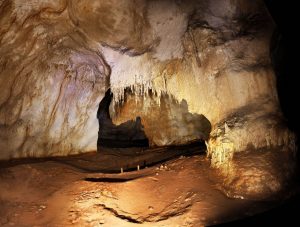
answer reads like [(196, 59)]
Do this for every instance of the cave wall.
[(165, 123), (51, 84), (57, 59)]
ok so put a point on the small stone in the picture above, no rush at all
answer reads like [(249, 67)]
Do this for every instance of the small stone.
[(150, 208)]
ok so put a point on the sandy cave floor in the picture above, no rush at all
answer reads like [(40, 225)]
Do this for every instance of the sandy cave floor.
[(71, 192)]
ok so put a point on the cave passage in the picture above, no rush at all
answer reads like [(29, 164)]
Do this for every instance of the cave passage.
[(127, 134), (128, 145)]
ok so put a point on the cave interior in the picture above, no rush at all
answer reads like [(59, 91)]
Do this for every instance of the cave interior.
[(148, 113)]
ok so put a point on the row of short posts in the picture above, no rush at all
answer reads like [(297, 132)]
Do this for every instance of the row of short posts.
[(137, 168)]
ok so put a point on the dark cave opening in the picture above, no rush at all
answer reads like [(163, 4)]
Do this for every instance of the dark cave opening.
[(129, 146), (285, 60), (127, 134)]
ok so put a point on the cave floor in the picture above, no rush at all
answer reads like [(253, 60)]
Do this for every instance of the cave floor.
[(72, 192)]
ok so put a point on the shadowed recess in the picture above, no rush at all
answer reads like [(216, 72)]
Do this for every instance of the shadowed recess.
[(127, 134)]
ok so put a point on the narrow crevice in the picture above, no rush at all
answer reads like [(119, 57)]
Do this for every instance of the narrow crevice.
[(109, 179), (121, 216), (152, 218)]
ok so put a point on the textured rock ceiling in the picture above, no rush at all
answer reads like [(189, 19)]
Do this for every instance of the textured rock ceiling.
[(58, 57)]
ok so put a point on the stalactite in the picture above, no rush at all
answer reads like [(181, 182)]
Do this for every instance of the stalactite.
[(141, 88)]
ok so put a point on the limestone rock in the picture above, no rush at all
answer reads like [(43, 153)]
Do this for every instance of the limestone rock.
[(166, 123), (58, 58)]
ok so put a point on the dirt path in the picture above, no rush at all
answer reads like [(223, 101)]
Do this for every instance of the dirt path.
[(176, 193)]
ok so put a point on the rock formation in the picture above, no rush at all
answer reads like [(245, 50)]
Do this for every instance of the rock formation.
[(58, 58)]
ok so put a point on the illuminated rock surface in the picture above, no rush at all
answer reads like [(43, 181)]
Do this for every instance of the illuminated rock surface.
[(169, 123), (58, 58)]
